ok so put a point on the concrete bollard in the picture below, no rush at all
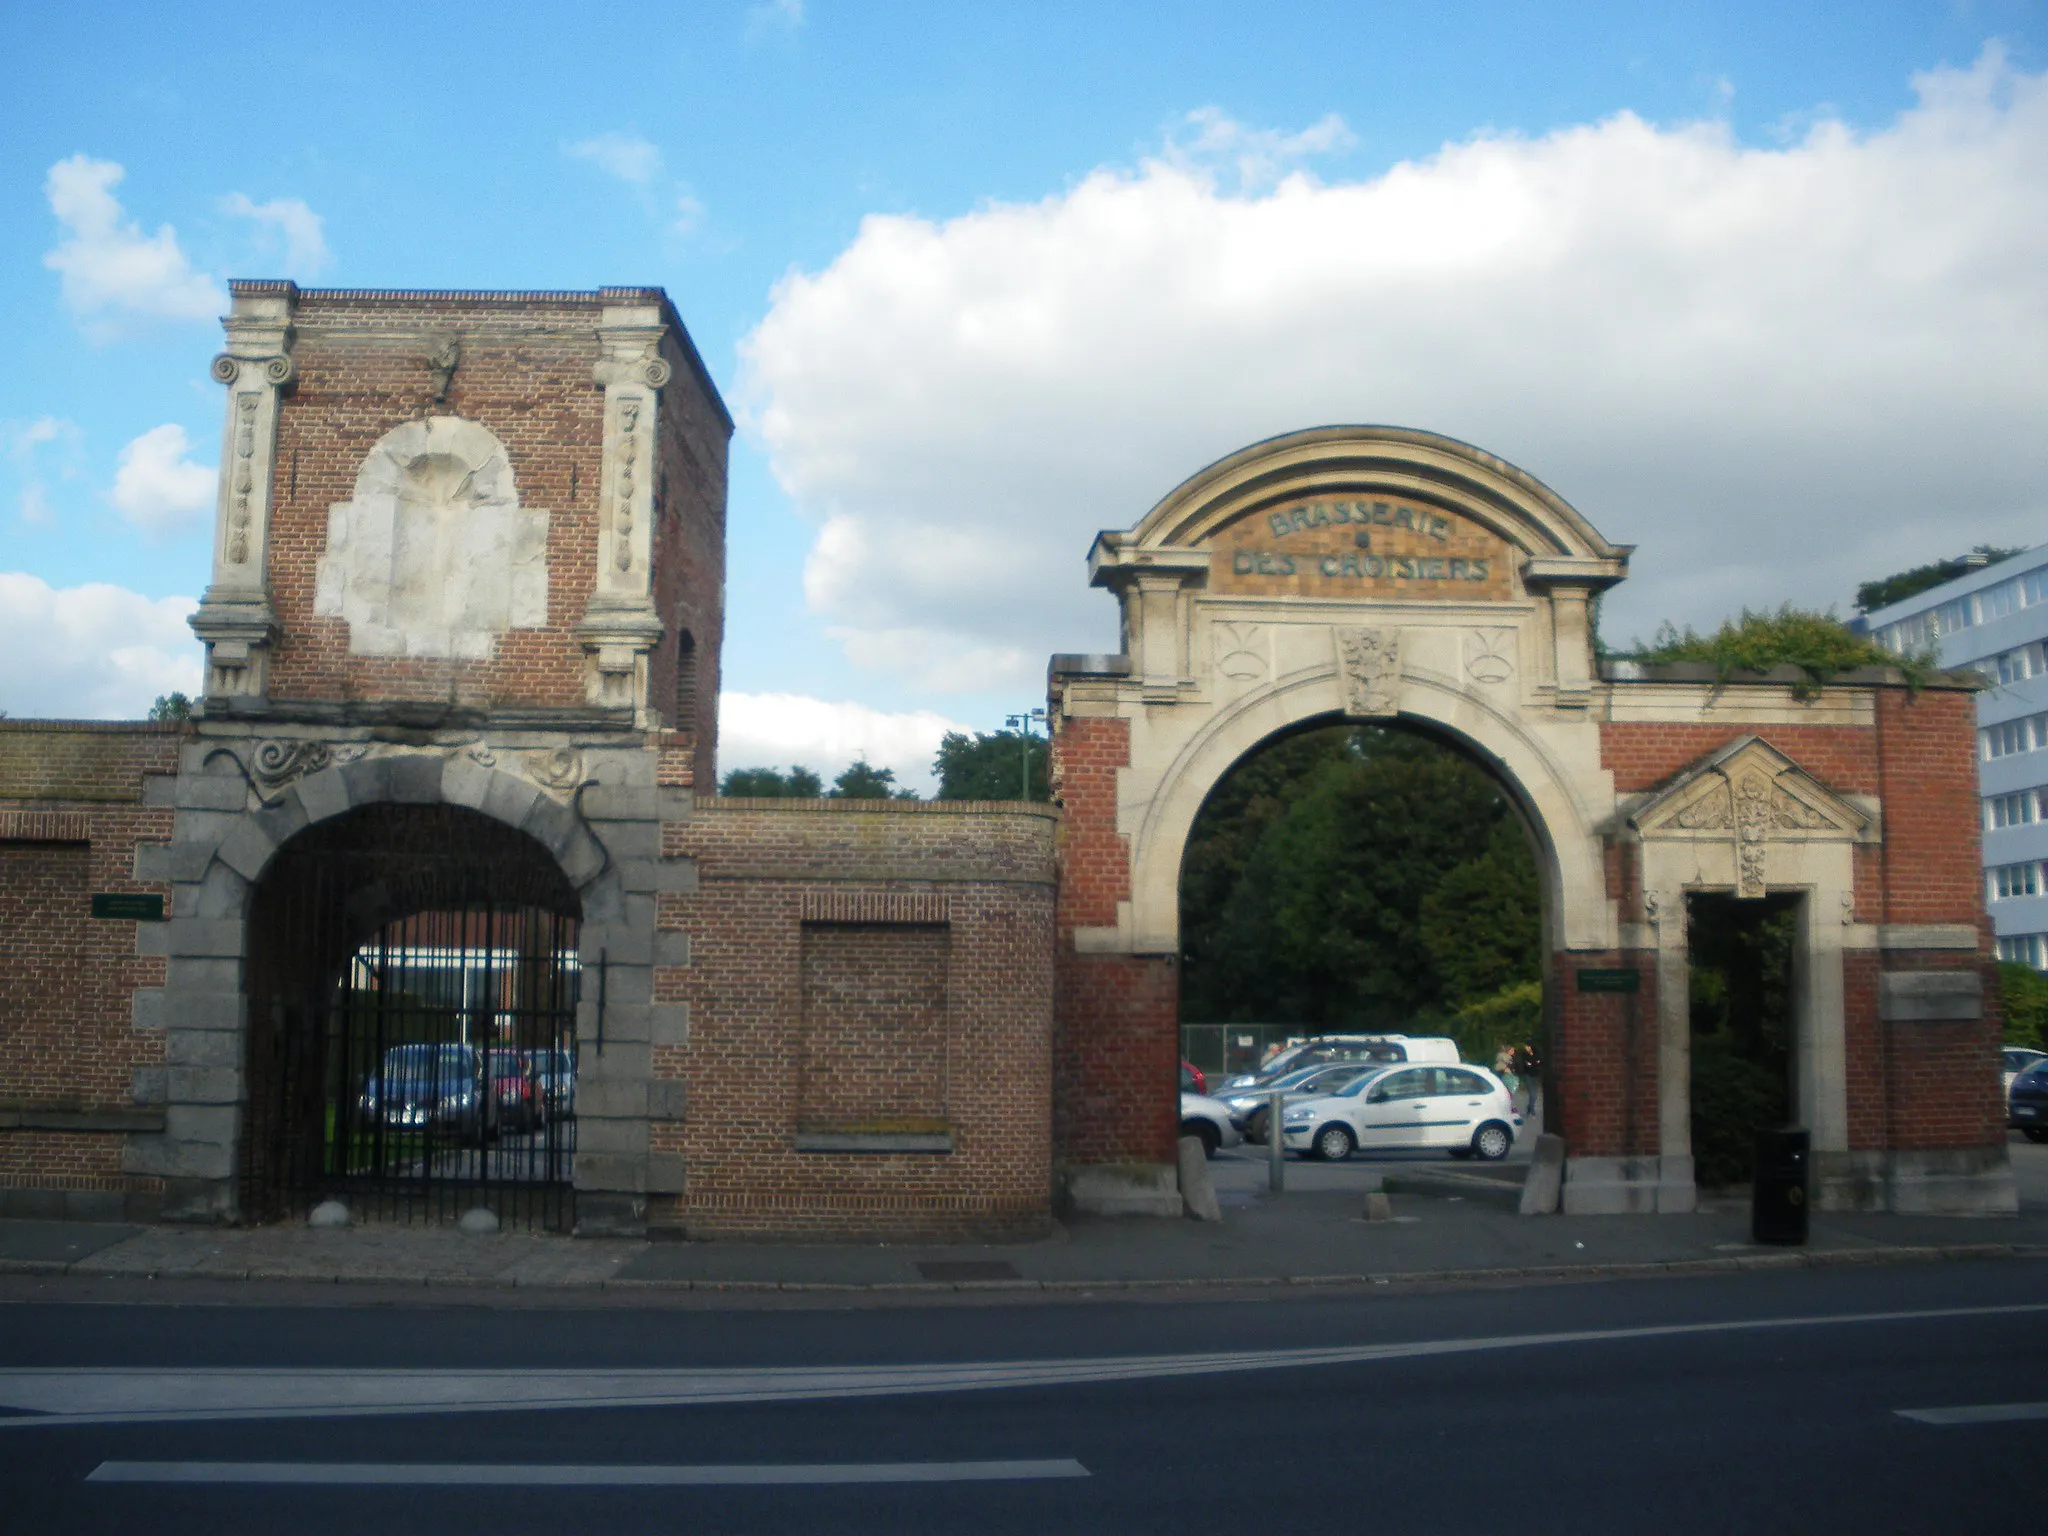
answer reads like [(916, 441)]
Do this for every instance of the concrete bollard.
[(1197, 1189), (1544, 1185), (1377, 1207), (329, 1213)]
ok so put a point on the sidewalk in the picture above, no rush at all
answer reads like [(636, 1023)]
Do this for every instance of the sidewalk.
[(1315, 1234)]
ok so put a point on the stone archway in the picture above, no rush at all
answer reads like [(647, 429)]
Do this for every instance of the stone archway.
[(589, 812), (1344, 573)]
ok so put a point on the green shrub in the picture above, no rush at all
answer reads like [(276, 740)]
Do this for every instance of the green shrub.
[(1819, 644), (1731, 1097), (2024, 991), (1511, 1017)]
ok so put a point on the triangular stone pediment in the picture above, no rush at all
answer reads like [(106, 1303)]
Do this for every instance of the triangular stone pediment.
[(1750, 793)]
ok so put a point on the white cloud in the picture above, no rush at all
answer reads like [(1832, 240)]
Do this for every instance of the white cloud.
[(689, 213), (92, 652), (1781, 370), (777, 15), (304, 232), (779, 730), (626, 156), (108, 266), (156, 487), (25, 441), (1210, 143)]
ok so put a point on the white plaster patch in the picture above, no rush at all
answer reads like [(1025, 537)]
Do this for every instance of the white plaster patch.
[(434, 557)]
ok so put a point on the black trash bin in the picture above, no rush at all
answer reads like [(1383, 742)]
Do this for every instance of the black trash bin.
[(1779, 1204)]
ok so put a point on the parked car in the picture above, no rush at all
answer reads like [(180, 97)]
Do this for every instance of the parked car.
[(1388, 1050), (1192, 1078), (1249, 1107), (554, 1072), (2027, 1102), (2017, 1059), (428, 1086), (1208, 1121), (1464, 1110), (514, 1092)]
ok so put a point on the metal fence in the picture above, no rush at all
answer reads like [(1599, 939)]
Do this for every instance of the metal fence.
[(1223, 1049), (440, 1075), (412, 1031)]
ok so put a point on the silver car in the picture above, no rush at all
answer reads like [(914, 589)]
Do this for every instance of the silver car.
[(1208, 1121), (1249, 1108)]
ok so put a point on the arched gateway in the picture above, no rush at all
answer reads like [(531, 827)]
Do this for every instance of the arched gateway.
[(1371, 573), (449, 797)]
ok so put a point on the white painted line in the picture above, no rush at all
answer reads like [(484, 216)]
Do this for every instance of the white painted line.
[(490, 1475), (1983, 1413), (46, 1397)]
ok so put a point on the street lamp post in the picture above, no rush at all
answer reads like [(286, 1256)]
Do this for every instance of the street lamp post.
[(1022, 725)]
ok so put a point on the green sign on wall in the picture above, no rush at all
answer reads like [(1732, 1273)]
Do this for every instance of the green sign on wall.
[(1618, 979), (132, 905)]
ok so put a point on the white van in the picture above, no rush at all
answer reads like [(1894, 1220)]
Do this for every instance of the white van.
[(1394, 1050)]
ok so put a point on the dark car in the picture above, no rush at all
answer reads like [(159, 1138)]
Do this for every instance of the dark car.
[(554, 1073), (428, 1086), (2028, 1103)]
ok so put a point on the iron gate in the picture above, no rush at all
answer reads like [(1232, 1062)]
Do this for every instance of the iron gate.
[(428, 1067)]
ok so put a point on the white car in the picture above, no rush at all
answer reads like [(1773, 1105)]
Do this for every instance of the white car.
[(1208, 1120), (1464, 1110)]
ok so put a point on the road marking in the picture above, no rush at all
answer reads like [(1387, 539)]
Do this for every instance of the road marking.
[(1983, 1413), (500, 1475), (46, 1397)]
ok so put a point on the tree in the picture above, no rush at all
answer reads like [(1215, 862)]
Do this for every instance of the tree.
[(990, 765), (863, 781), (769, 784), (171, 706), (1476, 923), (1901, 585), (1329, 876)]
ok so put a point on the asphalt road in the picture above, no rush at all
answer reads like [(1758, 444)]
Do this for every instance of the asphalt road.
[(1761, 1401)]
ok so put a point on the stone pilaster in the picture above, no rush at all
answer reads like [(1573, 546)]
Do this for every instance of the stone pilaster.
[(621, 626), (235, 617)]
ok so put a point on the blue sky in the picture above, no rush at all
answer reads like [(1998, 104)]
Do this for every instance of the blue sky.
[(1757, 287)]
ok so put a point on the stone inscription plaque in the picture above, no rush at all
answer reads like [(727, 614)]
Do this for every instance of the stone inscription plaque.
[(1360, 547)]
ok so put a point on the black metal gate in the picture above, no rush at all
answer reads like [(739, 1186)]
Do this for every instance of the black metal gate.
[(412, 1040)]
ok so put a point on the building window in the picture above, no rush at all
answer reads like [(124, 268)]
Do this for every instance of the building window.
[(2017, 666), (2010, 880), (2013, 736), (2023, 948), (2015, 810)]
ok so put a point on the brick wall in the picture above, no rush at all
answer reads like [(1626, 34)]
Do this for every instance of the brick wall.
[(1926, 745), (1600, 1081), (689, 558), (1117, 1036), (874, 1022), (525, 374), (866, 968), (74, 803), (1911, 1085)]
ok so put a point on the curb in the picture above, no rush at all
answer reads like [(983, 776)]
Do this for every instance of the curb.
[(913, 1289)]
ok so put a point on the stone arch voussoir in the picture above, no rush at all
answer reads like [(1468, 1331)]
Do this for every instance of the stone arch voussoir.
[(1578, 912)]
